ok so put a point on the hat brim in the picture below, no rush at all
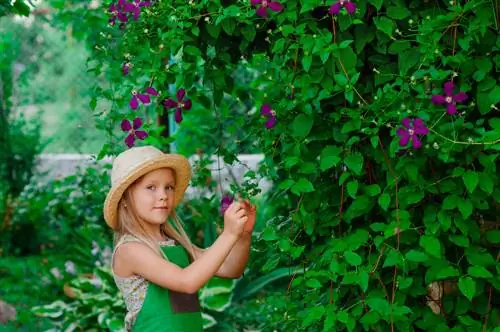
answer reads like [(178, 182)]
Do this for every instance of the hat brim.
[(178, 163)]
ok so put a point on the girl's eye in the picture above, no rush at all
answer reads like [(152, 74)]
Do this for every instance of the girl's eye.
[(150, 187), (169, 188)]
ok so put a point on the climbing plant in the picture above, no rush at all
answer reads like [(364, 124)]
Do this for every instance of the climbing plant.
[(380, 128)]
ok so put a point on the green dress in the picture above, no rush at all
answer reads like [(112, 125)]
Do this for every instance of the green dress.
[(164, 309)]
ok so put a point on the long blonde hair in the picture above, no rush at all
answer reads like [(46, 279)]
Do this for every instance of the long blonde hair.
[(129, 222)]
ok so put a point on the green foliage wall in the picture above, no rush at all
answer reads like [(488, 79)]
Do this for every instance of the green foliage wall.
[(380, 127)]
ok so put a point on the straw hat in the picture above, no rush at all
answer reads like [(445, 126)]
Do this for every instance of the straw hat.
[(133, 163)]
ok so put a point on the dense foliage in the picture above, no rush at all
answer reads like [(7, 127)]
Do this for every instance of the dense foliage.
[(379, 123)]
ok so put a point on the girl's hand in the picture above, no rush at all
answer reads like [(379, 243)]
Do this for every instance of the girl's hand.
[(235, 218), (251, 214)]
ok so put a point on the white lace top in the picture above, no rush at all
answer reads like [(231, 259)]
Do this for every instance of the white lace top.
[(133, 288)]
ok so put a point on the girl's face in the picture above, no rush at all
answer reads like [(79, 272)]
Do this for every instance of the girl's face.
[(153, 196)]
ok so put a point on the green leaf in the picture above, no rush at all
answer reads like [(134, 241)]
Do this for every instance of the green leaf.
[(341, 79), (450, 202), (467, 286), (408, 59), (379, 304), (494, 95), (447, 272), (302, 186), (486, 182), (416, 256), (493, 236), (479, 272), (229, 25), (385, 25), (352, 258), (471, 180), (364, 279), (313, 283), (352, 188), (372, 190), (398, 13), (330, 156), (460, 240), (355, 163), (248, 32), (384, 200), (431, 245), (306, 62), (21, 8), (376, 3), (465, 208), (302, 125)]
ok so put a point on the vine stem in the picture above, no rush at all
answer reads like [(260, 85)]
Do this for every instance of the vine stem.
[(465, 143), (398, 230), (489, 302)]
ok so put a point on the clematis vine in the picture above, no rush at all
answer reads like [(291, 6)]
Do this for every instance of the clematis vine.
[(142, 97), (347, 4), (135, 7), (226, 201), (131, 128), (449, 98), (118, 11), (270, 114), (410, 131), (262, 6), (180, 104)]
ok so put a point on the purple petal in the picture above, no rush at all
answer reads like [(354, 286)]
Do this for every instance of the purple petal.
[(271, 122), (406, 122), (145, 4), (126, 126), (141, 134), (129, 7), (137, 12), (112, 20), (275, 6), (419, 127), (460, 97), (178, 115), (438, 99), (112, 8), (256, 2), (335, 9), (134, 103), (180, 94), (402, 132), (404, 140), (266, 110), (126, 69), (122, 17), (261, 12), (169, 103), (122, 4), (451, 109), (151, 91), (226, 201), (137, 123), (187, 104), (448, 88), (416, 142), (144, 98), (351, 7), (129, 140)]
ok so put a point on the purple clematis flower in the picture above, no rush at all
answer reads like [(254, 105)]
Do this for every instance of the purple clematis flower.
[(135, 7), (117, 11), (449, 99), (133, 132), (349, 6), (264, 4), (180, 104), (411, 131), (268, 112), (226, 201), (144, 98)]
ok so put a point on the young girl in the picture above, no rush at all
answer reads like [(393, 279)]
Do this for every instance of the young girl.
[(150, 263)]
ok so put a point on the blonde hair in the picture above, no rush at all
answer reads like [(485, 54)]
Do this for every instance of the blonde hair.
[(130, 223)]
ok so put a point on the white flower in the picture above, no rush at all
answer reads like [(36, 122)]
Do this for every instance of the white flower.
[(435, 145), (56, 273), (70, 267), (97, 282)]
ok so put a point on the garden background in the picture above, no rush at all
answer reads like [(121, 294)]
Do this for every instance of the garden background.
[(376, 128)]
